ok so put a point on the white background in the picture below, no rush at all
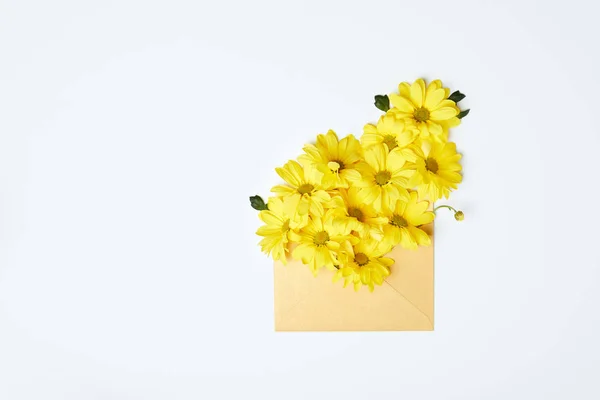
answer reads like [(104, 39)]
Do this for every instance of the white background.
[(133, 132)]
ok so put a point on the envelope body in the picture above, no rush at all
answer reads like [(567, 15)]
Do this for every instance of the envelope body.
[(404, 302)]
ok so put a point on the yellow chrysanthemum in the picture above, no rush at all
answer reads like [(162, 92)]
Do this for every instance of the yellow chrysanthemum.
[(276, 230), (363, 264), (384, 176), (304, 189), (335, 159), (320, 240), (405, 219), (427, 106), (391, 130), (358, 216), (437, 169)]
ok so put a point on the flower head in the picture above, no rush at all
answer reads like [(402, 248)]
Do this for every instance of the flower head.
[(384, 176), (358, 216), (404, 223), (391, 131), (363, 264), (335, 159), (427, 106), (437, 169), (320, 240), (304, 188), (277, 227)]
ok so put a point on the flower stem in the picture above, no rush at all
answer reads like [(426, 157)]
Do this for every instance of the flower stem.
[(445, 206), (458, 215)]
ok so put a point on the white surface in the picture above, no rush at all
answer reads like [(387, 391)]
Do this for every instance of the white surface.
[(133, 132)]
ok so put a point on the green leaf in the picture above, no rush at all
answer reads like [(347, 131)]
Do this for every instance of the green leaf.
[(258, 203), (464, 113), (382, 102), (456, 96)]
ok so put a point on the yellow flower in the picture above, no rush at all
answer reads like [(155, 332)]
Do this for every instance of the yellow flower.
[(404, 224), (276, 230), (319, 242), (428, 106), (384, 176), (304, 189), (390, 130), (334, 158), (358, 216), (437, 169), (363, 264)]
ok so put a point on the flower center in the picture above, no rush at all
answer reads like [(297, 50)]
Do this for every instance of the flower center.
[(382, 177), (307, 188), (421, 114), (321, 238), (286, 226), (432, 165), (390, 140), (361, 259), (356, 213), (399, 221)]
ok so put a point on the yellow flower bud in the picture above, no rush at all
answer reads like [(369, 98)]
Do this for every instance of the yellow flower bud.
[(459, 216)]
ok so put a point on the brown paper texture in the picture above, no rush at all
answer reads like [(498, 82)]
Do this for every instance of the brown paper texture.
[(403, 303)]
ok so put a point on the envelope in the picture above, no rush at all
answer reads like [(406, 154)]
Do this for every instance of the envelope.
[(403, 303)]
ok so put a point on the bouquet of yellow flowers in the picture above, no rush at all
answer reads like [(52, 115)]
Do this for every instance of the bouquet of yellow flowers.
[(347, 202)]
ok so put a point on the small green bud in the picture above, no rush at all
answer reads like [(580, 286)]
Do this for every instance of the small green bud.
[(258, 203), (382, 102), (456, 96)]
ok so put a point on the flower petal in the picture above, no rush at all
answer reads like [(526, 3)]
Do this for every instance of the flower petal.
[(292, 173), (420, 236), (443, 113), (404, 89), (401, 103), (417, 92), (270, 218), (434, 98), (283, 190), (376, 157), (406, 239), (369, 194), (365, 276), (395, 160)]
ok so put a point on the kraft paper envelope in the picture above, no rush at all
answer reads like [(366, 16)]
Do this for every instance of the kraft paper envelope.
[(403, 303)]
